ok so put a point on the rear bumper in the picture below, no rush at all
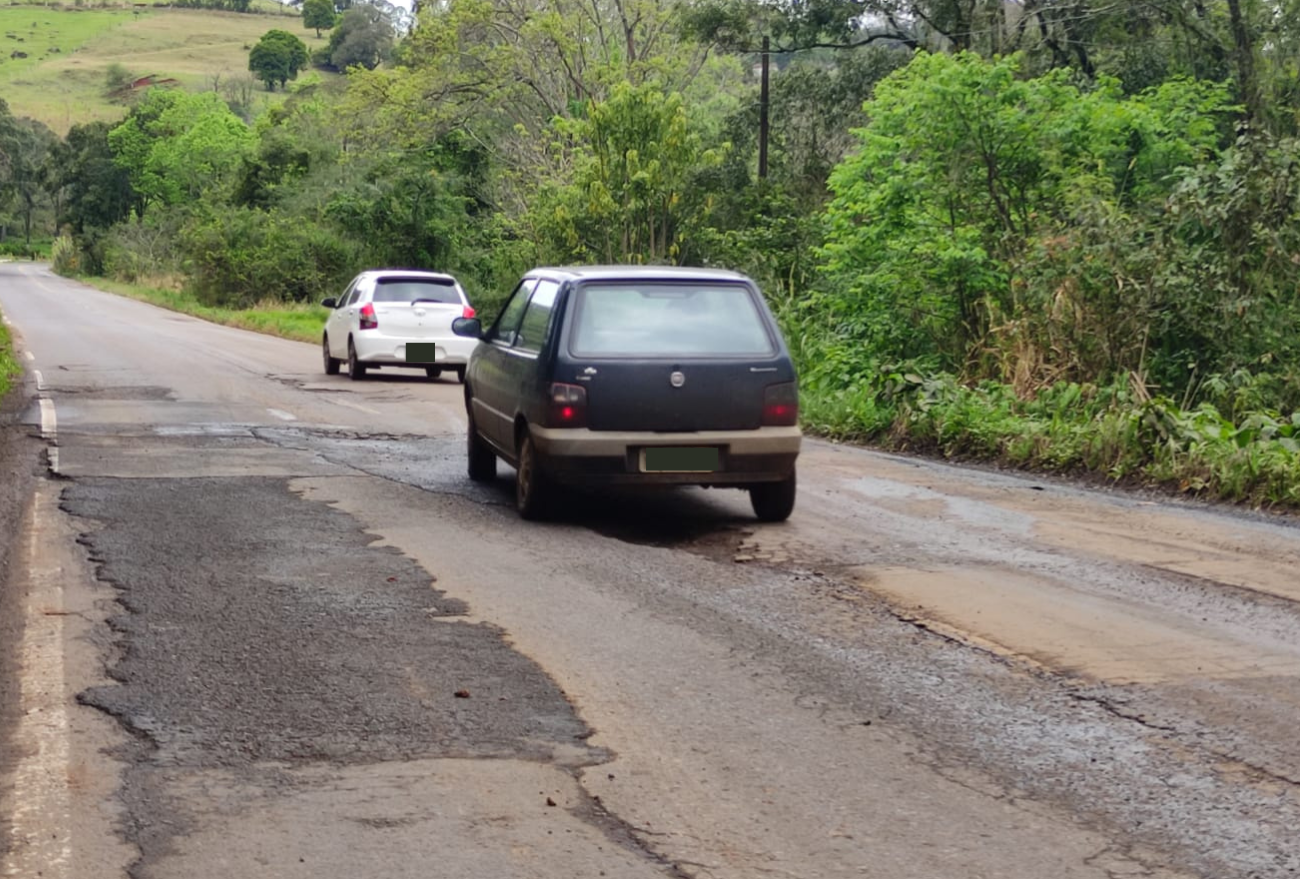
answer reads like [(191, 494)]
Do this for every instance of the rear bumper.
[(451, 351), (581, 456)]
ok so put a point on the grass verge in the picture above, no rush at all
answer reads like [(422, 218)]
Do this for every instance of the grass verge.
[(301, 323), (1117, 432), (9, 369)]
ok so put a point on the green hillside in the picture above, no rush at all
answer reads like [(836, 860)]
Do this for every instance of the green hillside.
[(63, 78)]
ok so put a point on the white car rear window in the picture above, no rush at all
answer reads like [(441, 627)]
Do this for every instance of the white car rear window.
[(411, 289)]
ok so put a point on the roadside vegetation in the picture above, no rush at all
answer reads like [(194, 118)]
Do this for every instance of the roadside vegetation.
[(9, 369), (991, 231), (302, 322)]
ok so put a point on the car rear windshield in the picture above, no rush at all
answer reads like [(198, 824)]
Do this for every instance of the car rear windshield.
[(626, 319), (411, 289)]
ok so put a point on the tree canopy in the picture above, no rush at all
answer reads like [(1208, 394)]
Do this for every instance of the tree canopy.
[(277, 58), (318, 14)]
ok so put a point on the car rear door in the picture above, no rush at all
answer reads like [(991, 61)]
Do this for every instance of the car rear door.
[(672, 357)]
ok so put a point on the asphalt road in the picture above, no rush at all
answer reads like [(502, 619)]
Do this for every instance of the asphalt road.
[(257, 623)]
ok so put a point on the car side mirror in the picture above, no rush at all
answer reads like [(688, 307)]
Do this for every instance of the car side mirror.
[(330, 302), (469, 327)]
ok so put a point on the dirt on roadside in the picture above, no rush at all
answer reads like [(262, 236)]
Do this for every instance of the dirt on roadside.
[(20, 462)]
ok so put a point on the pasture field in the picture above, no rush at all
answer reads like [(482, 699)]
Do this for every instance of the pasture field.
[(62, 80)]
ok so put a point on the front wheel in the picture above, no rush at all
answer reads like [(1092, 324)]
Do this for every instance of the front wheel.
[(482, 460), (433, 371), (773, 501), (331, 363), (356, 369), (532, 489)]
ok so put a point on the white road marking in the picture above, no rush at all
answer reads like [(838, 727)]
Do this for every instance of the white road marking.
[(40, 379), (49, 420), (42, 813), (29, 355), (282, 415)]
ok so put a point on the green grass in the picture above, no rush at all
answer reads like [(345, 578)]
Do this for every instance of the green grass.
[(9, 369), (62, 81), (302, 323)]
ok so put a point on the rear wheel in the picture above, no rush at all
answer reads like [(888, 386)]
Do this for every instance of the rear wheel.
[(773, 501), (331, 363), (356, 369), (482, 460), (460, 374), (433, 371), (532, 489)]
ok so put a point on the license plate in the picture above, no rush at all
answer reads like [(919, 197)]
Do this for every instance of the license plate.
[(680, 459), (421, 352)]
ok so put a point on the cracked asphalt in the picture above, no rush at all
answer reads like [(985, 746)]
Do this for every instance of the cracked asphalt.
[(258, 623)]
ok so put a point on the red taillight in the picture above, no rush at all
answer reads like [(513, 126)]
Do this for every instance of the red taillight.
[(568, 406), (781, 405), (369, 320), (468, 312)]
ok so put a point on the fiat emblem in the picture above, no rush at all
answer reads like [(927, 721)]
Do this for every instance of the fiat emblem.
[(677, 379)]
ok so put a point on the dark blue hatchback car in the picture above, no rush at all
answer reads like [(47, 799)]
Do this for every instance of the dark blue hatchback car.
[(634, 375)]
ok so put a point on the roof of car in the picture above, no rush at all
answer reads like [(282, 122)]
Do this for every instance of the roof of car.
[(614, 272), (419, 273)]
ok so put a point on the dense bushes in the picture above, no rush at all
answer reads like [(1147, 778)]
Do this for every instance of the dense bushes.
[(240, 256), (1075, 278)]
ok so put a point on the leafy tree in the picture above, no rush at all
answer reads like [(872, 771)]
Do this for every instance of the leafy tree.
[(96, 190), (632, 157), (363, 37), (25, 147), (987, 214), (277, 58), (318, 14), (175, 146)]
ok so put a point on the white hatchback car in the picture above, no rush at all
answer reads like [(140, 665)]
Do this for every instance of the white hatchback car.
[(397, 317)]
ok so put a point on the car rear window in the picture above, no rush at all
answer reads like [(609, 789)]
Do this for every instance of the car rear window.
[(668, 319), (411, 289)]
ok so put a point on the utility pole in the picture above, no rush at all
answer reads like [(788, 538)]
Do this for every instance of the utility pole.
[(762, 113)]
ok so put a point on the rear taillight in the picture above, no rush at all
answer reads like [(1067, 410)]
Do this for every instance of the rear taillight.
[(468, 312), (568, 406), (781, 405), (369, 320)]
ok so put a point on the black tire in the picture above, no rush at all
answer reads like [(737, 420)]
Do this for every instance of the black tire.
[(356, 369), (482, 461), (532, 489), (433, 371), (773, 501), (331, 363), (460, 374)]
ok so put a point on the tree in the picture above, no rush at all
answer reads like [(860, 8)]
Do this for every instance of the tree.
[(987, 212), (176, 146), (96, 190), (277, 58), (318, 14), (25, 146), (364, 37), (632, 158)]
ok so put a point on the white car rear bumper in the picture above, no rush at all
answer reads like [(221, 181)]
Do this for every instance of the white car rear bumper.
[(372, 348)]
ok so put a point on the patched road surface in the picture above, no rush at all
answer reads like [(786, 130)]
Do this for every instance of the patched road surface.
[(256, 622)]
